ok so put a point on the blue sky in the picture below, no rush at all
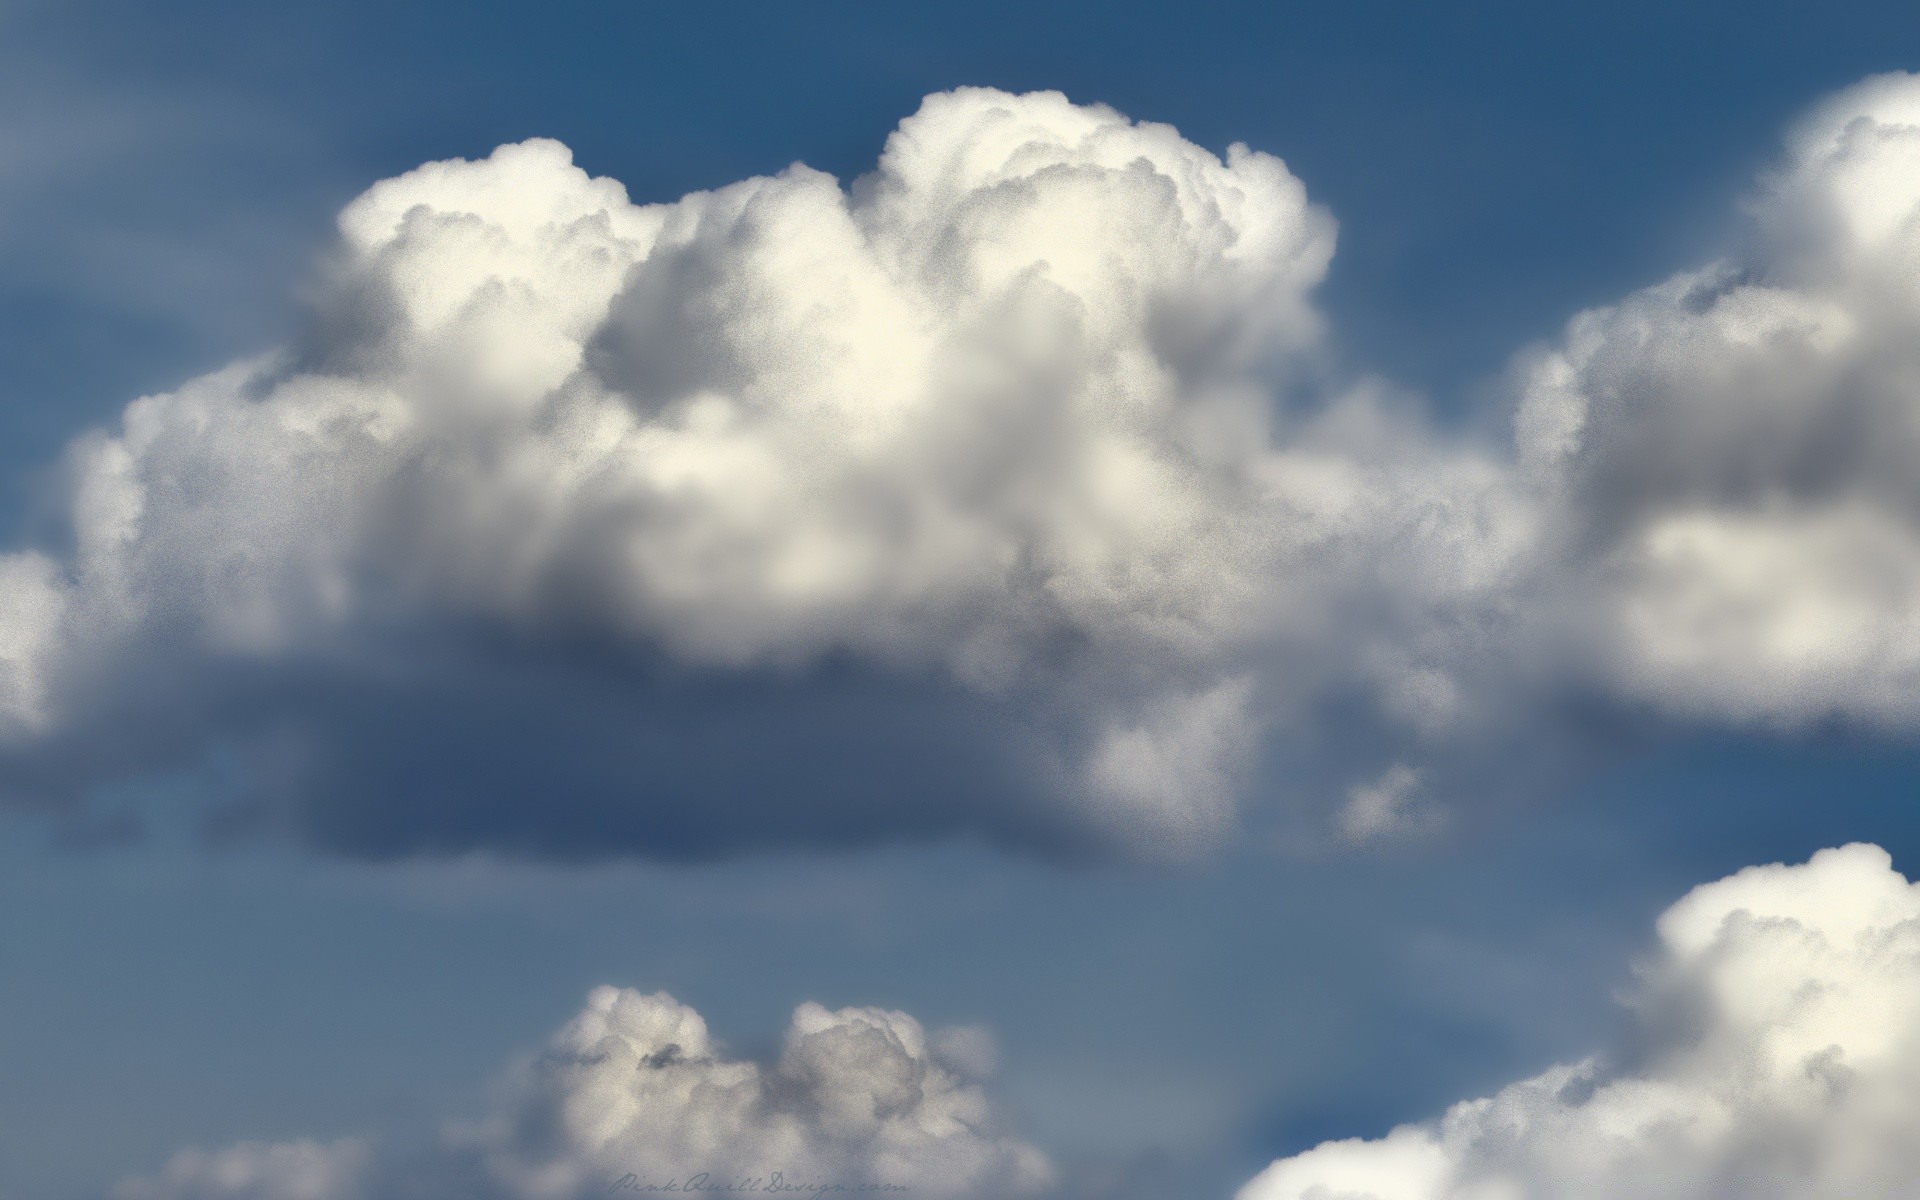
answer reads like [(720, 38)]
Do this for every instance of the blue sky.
[(169, 179)]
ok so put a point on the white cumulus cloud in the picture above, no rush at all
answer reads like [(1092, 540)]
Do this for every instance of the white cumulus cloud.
[(1730, 453), (1777, 1056), (1006, 491), (634, 1088), (999, 419)]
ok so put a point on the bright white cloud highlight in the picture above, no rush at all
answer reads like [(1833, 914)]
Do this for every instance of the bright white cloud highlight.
[(1777, 1056)]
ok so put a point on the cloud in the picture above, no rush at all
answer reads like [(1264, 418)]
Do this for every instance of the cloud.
[(1010, 492), (1776, 1054), (301, 1170), (1728, 455), (1388, 807), (982, 454), (635, 1086)]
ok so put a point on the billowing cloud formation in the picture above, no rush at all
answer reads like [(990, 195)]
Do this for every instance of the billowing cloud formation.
[(996, 428), (635, 1087), (1005, 492), (1730, 454), (1778, 1056)]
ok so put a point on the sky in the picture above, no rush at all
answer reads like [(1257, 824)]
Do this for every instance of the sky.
[(1164, 630)]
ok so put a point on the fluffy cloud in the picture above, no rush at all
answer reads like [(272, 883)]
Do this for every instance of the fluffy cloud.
[(1006, 492), (1777, 1055), (1730, 454), (635, 1086), (996, 427)]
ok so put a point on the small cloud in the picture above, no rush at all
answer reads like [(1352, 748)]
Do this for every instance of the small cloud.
[(1392, 806)]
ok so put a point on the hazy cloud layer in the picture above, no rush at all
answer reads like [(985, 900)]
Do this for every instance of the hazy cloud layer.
[(635, 1086), (1007, 491), (1776, 1054), (302, 1170)]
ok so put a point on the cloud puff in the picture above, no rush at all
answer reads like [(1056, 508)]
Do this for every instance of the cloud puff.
[(996, 428), (634, 1086), (1777, 1055), (1388, 807)]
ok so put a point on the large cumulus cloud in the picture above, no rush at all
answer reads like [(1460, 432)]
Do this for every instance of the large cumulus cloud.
[(965, 498), (634, 1088), (1777, 1055), (1008, 491)]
